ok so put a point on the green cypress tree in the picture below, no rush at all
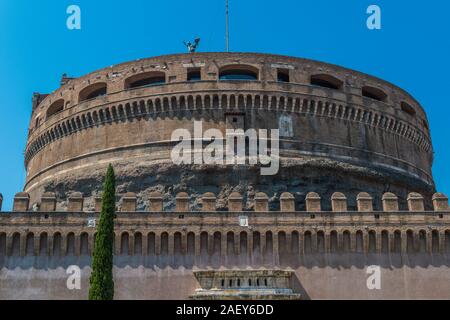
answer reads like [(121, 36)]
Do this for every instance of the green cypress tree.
[(101, 280)]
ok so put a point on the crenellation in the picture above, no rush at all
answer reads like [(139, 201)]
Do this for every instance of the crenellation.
[(129, 201), (48, 202), (21, 202), (364, 202), (75, 202), (415, 202), (261, 202), (338, 202), (440, 202), (390, 202)]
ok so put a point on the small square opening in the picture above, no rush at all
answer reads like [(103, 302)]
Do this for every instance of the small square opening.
[(194, 74), (283, 75)]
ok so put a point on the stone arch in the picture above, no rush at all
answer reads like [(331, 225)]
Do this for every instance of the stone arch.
[(29, 244), (84, 243), (70, 244), (137, 247), (145, 79), (57, 242), (92, 91)]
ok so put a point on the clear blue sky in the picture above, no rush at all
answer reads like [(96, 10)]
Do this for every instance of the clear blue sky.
[(412, 50)]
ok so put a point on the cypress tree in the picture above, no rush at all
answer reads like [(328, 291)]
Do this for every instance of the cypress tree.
[(101, 280)]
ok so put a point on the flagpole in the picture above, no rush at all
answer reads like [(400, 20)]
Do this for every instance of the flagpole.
[(227, 35)]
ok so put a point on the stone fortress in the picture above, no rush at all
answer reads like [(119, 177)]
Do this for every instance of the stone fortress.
[(354, 189)]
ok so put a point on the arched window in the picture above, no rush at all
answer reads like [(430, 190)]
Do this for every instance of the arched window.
[(238, 72), (326, 81), (407, 108), (146, 79), (374, 93), (54, 108), (93, 91)]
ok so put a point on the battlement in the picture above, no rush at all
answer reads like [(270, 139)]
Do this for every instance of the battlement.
[(313, 202), (156, 232)]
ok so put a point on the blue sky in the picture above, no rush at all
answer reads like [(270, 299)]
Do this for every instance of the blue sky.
[(412, 50)]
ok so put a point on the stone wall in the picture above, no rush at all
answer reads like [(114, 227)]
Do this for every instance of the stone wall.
[(156, 251), (339, 137)]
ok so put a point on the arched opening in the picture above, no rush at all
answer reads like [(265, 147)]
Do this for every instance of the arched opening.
[(269, 244), (43, 244), (146, 79), (217, 239), (422, 241), (230, 243), (15, 248), (359, 241), (164, 243), (256, 243), (294, 242), (190, 243), (385, 241), (151, 243), (326, 81), (124, 244), (238, 72), (397, 241), (177, 243), (54, 108), (333, 242), (372, 241), (320, 242), (93, 91), (373, 93), (137, 244), (346, 241), (409, 241), (435, 241), (2, 244), (57, 244), (29, 250), (70, 244), (204, 243), (84, 244), (407, 108), (307, 244), (243, 243)]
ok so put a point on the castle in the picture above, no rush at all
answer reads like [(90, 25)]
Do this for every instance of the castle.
[(354, 187)]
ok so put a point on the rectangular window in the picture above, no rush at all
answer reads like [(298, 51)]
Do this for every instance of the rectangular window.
[(194, 74), (283, 75)]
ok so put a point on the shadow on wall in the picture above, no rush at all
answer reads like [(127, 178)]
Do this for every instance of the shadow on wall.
[(336, 261)]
